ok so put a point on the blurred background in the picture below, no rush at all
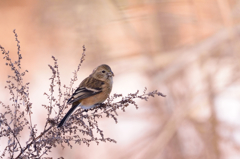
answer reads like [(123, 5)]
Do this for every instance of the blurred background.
[(187, 49)]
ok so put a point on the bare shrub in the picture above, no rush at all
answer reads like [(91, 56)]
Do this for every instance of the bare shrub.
[(17, 116)]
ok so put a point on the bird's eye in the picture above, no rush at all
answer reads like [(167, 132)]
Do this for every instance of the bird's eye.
[(103, 71)]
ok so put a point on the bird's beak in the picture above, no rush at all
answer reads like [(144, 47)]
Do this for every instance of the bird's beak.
[(111, 74)]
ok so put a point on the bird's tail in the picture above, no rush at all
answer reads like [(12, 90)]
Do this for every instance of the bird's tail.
[(67, 115)]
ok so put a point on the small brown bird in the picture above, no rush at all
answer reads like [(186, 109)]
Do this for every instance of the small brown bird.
[(92, 90)]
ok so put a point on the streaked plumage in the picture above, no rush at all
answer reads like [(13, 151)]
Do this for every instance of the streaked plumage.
[(91, 91)]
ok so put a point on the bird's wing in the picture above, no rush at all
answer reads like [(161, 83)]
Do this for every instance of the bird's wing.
[(87, 88)]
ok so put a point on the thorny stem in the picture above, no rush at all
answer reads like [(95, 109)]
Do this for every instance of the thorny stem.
[(122, 102), (13, 135), (76, 71), (17, 71), (71, 84), (19, 79), (28, 145), (74, 77)]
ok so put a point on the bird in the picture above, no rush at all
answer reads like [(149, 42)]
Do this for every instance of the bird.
[(93, 90)]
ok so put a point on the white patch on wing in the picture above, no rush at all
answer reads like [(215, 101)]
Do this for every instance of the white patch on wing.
[(92, 89), (78, 95)]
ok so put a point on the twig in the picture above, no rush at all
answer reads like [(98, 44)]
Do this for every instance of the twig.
[(28, 145)]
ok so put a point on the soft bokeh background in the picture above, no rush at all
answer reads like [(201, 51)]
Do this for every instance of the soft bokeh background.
[(187, 49)]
